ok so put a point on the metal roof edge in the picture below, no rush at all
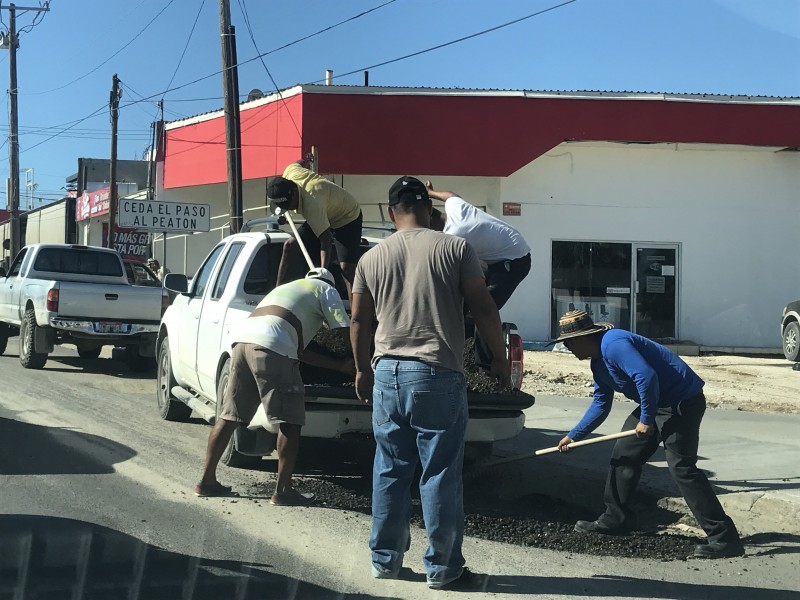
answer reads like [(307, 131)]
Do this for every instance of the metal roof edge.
[(311, 88), (571, 94), (247, 105)]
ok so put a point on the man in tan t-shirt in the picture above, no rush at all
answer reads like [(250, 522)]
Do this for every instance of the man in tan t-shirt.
[(415, 283), (333, 217)]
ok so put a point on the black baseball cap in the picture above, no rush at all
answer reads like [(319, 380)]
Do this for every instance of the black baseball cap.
[(280, 190), (408, 190)]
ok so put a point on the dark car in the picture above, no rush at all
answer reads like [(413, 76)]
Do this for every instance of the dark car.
[(140, 274), (790, 331)]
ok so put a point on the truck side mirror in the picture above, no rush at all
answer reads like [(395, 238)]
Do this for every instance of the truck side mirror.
[(176, 282)]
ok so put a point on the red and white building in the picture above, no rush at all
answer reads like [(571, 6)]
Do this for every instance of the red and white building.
[(675, 216)]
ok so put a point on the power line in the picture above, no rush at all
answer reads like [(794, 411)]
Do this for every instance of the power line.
[(451, 42), (79, 121), (249, 60), (275, 85), (133, 39), (186, 46)]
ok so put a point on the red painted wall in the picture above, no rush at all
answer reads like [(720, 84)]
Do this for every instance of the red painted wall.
[(195, 154), (379, 134)]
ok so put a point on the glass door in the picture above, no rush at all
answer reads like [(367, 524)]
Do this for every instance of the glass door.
[(655, 291)]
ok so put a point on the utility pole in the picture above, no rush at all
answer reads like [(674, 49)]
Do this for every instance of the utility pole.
[(11, 42), (113, 105), (230, 86), (13, 134)]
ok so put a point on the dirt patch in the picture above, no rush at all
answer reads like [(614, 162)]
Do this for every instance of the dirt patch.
[(750, 383), (534, 521)]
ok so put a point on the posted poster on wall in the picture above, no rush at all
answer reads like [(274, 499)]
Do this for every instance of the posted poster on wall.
[(132, 244)]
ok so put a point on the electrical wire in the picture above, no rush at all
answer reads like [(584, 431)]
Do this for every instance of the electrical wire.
[(243, 7), (186, 46), (451, 42), (133, 39), (77, 122), (249, 60), (38, 18)]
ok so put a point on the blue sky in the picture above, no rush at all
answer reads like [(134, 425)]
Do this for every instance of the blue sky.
[(66, 62)]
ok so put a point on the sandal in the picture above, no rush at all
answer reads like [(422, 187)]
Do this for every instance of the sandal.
[(211, 490), (291, 498)]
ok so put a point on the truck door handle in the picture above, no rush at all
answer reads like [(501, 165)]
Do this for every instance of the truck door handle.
[(112, 296)]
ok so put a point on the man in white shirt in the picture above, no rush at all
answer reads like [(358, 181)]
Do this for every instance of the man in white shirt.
[(501, 248), (265, 368)]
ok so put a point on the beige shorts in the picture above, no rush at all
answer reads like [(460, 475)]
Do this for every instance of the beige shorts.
[(258, 374)]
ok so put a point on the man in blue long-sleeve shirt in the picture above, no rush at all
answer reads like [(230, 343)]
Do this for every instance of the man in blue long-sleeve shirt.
[(671, 407)]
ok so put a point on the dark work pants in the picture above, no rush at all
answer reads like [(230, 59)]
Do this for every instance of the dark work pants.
[(678, 427), (503, 278)]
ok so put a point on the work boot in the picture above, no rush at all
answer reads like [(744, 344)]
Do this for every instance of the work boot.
[(599, 527), (719, 550)]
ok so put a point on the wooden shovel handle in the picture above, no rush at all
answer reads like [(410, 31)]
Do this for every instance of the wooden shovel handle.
[(299, 239), (597, 440)]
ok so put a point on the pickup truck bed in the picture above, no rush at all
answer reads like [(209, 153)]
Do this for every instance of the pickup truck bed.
[(194, 347), (60, 293)]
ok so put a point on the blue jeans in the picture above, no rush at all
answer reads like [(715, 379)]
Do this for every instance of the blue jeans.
[(419, 413)]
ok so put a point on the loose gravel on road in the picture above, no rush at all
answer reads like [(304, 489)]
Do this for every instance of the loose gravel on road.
[(535, 520)]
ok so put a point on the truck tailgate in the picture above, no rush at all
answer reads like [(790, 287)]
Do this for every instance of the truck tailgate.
[(95, 301)]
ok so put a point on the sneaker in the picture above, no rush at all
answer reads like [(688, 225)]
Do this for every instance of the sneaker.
[(719, 550), (291, 498), (600, 527), (466, 581)]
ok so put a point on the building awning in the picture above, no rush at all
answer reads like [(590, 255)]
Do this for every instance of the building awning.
[(384, 131)]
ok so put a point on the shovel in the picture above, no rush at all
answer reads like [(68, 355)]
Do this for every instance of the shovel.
[(597, 440), (279, 212)]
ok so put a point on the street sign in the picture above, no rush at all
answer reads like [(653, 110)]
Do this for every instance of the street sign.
[(171, 217)]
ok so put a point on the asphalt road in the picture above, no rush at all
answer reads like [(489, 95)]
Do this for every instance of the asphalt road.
[(95, 491)]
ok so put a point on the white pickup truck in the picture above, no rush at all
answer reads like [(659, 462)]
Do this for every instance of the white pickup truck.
[(69, 294), (194, 349)]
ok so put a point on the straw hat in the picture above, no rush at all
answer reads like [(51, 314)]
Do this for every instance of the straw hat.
[(578, 322)]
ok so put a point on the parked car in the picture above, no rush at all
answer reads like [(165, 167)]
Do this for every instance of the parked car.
[(70, 294), (194, 349), (138, 273), (790, 331)]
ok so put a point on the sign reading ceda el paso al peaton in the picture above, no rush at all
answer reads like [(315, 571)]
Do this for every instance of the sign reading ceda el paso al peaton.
[(172, 217)]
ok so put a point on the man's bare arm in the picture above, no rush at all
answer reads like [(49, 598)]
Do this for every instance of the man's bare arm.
[(487, 320), (325, 243), (437, 195), (363, 314)]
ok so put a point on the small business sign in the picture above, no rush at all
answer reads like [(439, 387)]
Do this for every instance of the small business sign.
[(512, 209), (171, 217)]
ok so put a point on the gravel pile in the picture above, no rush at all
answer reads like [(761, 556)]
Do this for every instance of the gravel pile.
[(331, 343)]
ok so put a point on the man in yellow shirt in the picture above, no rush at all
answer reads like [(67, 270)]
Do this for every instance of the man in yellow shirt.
[(333, 216)]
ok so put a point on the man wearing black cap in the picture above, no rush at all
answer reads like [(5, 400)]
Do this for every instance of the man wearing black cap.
[(415, 283), (671, 407), (333, 216)]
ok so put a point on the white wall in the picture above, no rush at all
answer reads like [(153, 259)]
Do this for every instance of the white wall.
[(734, 210)]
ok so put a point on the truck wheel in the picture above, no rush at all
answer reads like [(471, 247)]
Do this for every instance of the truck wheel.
[(136, 362), (27, 335), (170, 408), (3, 337), (89, 353), (791, 341), (230, 456)]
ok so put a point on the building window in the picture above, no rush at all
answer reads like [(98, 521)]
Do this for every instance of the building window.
[(594, 277)]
